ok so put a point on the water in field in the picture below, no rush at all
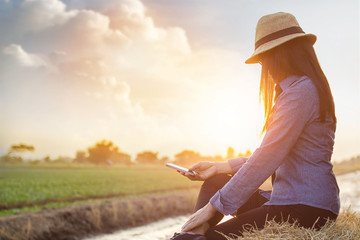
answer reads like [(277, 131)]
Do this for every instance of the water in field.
[(155, 231), (164, 229), (350, 190), (160, 230)]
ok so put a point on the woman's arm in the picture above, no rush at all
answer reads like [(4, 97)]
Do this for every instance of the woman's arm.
[(223, 168), (237, 163), (199, 217)]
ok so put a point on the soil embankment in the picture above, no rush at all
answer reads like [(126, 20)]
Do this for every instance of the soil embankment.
[(79, 221)]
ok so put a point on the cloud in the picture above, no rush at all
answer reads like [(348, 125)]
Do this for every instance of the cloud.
[(22, 57), (18, 18), (114, 73)]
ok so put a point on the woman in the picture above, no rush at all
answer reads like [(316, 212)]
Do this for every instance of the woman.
[(296, 149)]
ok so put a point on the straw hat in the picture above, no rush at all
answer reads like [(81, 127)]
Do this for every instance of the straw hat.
[(275, 29)]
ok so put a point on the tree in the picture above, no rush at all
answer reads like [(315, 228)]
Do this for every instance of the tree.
[(164, 160), (80, 157), (216, 158), (187, 157), (11, 159), (119, 157), (16, 149), (105, 152), (230, 153), (47, 159), (246, 154), (101, 152), (62, 159), (21, 148), (147, 157)]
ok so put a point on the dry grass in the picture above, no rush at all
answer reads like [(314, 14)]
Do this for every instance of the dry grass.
[(346, 227)]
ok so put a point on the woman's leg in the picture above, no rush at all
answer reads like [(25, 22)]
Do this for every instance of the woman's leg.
[(236, 225), (309, 217), (305, 216), (208, 189), (212, 185)]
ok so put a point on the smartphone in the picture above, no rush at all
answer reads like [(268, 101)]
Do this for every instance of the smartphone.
[(181, 169)]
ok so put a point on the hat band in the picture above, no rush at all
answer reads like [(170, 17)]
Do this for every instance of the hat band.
[(278, 34)]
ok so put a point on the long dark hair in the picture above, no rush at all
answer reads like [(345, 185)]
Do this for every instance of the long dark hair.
[(296, 57)]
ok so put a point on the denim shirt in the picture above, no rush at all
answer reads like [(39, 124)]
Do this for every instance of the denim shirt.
[(298, 146)]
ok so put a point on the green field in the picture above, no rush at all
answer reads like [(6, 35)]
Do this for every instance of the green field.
[(49, 187), (26, 187)]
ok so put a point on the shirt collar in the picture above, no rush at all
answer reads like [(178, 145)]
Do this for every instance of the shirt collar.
[(287, 82)]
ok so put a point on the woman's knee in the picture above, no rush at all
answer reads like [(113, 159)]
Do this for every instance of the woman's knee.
[(218, 180)]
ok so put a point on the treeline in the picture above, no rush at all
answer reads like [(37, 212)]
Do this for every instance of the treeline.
[(105, 152), (348, 165), (349, 162)]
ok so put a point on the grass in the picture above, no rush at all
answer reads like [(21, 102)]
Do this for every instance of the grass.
[(62, 204), (346, 227), (36, 188)]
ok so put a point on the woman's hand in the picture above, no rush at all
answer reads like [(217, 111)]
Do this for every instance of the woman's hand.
[(200, 217), (202, 170), (205, 170)]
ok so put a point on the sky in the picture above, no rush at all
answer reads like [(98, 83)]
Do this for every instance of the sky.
[(157, 75)]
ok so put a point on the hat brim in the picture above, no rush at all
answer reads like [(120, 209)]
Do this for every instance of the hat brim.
[(277, 42)]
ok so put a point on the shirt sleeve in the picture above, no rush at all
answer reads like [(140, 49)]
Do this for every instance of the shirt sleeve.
[(237, 163), (292, 110)]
